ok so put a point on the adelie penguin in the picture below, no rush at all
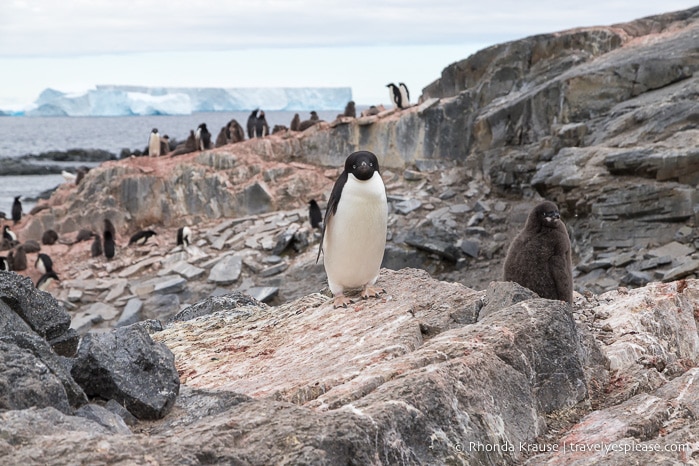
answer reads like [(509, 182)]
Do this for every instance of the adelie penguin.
[(404, 95), (96, 247), (154, 143), (43, 263), (46, 280), (395, 95), (184, 236), (16, 210), (539, 258), (141, 237), (315, 216), (4, 264), (8, 234), (354, 230)]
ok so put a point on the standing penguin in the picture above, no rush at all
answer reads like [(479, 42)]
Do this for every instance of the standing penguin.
[(8, 234), (4, 264), (154, 143), (184, 236), (43, 263), (252, 120), (109, 235), (203, 137), (96, 248), (394, 95), (16, 210), (261, 126), (539, 258), (354, 230), (404, 95), (314, 214), (18, 258), (295, 122)]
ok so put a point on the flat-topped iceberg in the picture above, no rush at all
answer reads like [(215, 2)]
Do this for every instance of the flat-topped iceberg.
[(113, 100)]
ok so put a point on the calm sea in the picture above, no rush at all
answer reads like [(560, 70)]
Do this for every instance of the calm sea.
[(34, 135)]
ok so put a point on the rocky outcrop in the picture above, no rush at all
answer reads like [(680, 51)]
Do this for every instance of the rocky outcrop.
[(432, 373)]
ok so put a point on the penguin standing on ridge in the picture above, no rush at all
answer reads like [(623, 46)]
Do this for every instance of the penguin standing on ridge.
[(203, 137), (252, 120), (18, 258), (354, 230), (261, 126), (395, 95), (154, 143), (184, 236), (4, 264), (404, 95), (16, 210)]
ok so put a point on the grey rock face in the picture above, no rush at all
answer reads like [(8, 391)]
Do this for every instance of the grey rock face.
[(216, 303), (127, 366)]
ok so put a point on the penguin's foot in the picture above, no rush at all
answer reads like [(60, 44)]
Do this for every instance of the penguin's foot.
[(341, 301), (370, 291)]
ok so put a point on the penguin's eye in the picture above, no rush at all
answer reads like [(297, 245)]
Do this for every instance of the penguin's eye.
[(354, 167)]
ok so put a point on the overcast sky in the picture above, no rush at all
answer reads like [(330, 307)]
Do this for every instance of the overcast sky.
[(73, 45)]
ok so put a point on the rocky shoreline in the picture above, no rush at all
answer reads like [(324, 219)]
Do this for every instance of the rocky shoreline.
[(53, 162)]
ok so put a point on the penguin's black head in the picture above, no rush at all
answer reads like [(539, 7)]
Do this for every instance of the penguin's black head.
[(154, 130), (362, 164), (545, 214)]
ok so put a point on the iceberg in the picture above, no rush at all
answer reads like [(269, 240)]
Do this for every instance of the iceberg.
[(116, 100)]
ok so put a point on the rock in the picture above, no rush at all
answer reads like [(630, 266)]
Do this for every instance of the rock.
[(470, 247), (226, 271), (99, 312), (210, 305), (263, 293), (131, 313), (160, 307), (407, 206), (434, 246), (37, 309), (102, 416), (127, 366), (186, 270), (170, 284)]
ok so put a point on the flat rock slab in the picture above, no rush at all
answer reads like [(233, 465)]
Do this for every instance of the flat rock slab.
[(227, 270)]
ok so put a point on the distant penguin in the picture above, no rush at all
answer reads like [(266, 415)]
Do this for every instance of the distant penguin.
[(314, 214), (18, 258), (184, 236), (69, 177), (295, 123), (83, 235), (252, 120), (141, 237), (394, 95), (354, 230), (49, 237), (539, 258), (190, 144), (43, 263), (164, 144), (82, 171), (96, 248), (16, 210), (404, 95), (109, 246), (154, 143), (350, 110), (46, 280), (305, 124), (261, 126), (222, 138), (203, 137), (4, 264), (234, 132), (8, 234)]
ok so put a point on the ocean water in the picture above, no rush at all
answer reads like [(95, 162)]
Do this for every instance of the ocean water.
[(34, 135)]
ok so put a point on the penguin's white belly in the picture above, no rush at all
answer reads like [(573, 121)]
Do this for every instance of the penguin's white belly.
[(355, 238), (154, 145)]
